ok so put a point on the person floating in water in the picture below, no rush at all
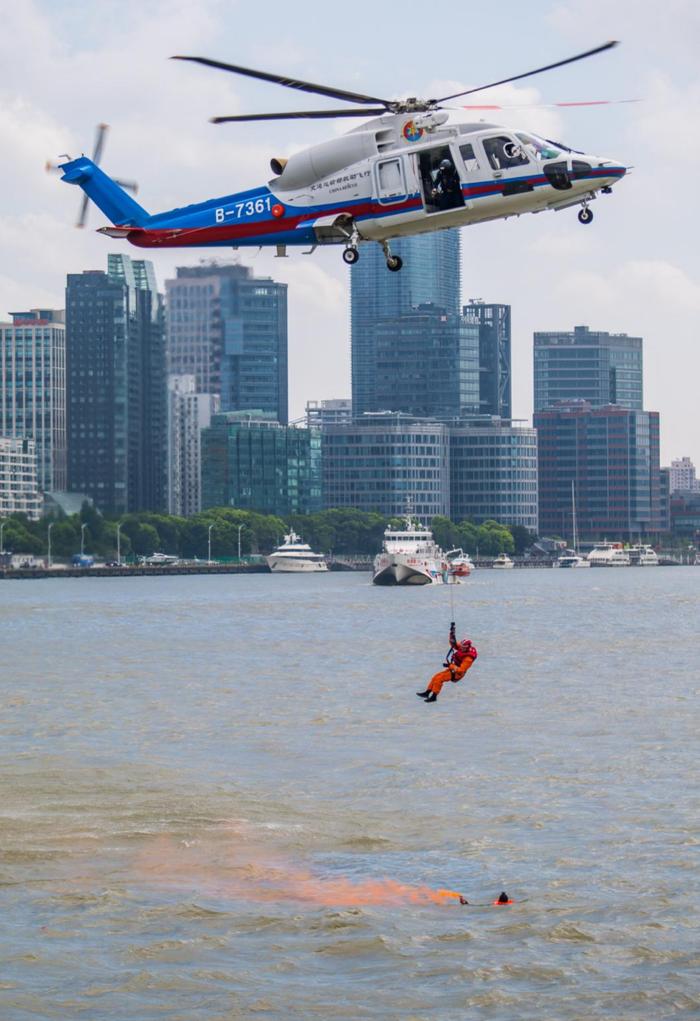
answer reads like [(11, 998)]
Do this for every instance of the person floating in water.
[(460, 659)]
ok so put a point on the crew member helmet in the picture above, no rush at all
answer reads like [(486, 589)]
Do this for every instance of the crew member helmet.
[(446, 164), (465, 644)]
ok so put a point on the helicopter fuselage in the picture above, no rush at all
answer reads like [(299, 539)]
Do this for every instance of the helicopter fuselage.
[(386, 179)]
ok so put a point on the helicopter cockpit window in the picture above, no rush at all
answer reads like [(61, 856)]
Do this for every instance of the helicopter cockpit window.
[(504, 152), (471, 163), (538, 147)]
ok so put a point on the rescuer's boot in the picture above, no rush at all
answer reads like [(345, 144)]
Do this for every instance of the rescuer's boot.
[(423, 694), (432, 697)]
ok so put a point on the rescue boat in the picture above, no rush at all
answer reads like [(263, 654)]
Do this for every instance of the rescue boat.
[(410, 556)]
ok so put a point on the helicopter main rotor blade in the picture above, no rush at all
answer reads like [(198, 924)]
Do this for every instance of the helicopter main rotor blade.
[(289, 115), (290, 83), (528, 74), (545, 106)]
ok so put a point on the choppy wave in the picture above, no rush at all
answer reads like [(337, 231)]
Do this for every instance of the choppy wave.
[(220, 801)]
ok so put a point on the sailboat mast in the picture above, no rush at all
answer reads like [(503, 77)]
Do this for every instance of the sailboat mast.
[(573, 515)]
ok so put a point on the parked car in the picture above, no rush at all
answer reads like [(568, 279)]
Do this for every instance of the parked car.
[(82, 560)]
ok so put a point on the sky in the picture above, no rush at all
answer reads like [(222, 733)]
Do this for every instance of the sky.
[(67, 65)]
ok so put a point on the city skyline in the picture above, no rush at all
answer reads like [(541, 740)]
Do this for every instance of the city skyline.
[(634, 270)]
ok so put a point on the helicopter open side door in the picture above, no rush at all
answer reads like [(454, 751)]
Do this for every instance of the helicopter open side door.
[(440, 176)]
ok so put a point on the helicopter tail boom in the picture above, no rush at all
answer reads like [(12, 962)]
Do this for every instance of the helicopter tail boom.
[(107, 195)]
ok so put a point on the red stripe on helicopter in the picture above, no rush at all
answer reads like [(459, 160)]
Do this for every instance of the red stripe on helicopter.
[(166, 237), (174, 237)]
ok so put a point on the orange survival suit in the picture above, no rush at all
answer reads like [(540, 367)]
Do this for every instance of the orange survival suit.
[(461, 659)]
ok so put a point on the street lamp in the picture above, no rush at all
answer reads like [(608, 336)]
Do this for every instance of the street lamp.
[(209, 544), (51, 524), (239, 542), (119, 548), (82, 537)]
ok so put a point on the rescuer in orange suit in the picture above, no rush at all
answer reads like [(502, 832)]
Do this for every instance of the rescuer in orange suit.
[(460, 659)]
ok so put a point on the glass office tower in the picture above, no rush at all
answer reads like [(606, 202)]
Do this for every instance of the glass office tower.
[(116, 386), (611, 455), (254, 463), (388, 463), (426, 363), (430, 275), (493, 322), (601, 368), (33, 389), (228, 328)]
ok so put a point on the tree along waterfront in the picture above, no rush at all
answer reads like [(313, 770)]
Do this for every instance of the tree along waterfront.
[(341, 531)]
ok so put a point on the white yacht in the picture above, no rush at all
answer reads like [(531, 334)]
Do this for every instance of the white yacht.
[(609, 554), (503, 561), (161, 560), (570, 558), (643, 556), (409, 556), (295, 557)]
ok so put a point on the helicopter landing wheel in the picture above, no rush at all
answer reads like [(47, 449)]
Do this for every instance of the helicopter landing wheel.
[(351, 255), (394, 263), (585, 215)]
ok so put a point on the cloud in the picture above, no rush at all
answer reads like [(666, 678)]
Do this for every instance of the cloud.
[(657, 29), (650, 287)]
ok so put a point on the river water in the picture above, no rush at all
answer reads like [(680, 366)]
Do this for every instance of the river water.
[(221, 799)]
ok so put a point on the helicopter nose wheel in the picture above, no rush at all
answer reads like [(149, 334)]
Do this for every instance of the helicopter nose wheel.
[(585, 215), (351, 255)]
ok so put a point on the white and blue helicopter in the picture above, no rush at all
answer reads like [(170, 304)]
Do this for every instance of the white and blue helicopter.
[(405, 172)]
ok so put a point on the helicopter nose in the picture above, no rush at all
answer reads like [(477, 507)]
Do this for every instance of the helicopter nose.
[(612, 171)]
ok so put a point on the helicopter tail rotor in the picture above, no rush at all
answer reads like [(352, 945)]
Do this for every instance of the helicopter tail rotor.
[(100, 138)]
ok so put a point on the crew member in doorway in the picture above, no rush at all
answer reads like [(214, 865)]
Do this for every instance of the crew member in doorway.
[(447, 191), (460, 659)]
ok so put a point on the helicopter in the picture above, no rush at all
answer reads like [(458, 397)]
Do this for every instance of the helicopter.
[(405, 172)]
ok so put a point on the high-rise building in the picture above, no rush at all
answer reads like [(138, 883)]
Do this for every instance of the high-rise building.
[(228, 328), (601, 368), (611, 454), (493, 473), (33, 389), (430, 274), (320, 414), (494, 356), (685, 517), (116, 386), (426, 364), (682, 476), (387, 463), (255, 463), (19, 492), (188, 413)]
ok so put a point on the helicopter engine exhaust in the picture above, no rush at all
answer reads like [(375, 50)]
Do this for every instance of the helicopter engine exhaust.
[(277, 164)]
